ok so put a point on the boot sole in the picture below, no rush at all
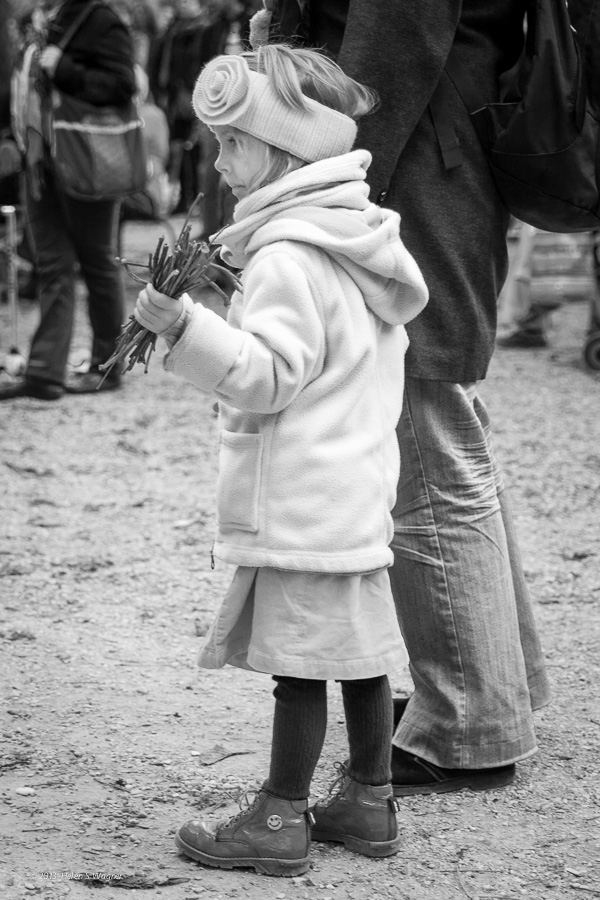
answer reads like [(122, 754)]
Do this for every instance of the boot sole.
[(264, 866), (375, 849), (478, 782)]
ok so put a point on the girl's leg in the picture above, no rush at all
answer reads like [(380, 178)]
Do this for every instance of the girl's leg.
[(369, 721), (273, 834), (299, 727), (360, 810)]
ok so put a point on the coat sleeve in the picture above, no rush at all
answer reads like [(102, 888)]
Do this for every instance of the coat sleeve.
[(398, 48), (278, 348), (97, 66)]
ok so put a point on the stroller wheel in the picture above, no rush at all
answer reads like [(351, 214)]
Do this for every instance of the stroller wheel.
[(591, 350)]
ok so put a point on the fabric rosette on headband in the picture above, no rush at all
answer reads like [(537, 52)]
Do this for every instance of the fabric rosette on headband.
[(222, 93), (228, 92)]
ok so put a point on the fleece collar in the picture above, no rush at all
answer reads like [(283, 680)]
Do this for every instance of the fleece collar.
[(325, 205), (338, 181)]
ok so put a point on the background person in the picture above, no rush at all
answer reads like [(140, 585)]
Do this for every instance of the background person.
[(539, 282), (197, 33), (160, 195), (96, 66)]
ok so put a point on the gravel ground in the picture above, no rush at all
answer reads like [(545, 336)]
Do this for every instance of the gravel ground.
[(110, 736)]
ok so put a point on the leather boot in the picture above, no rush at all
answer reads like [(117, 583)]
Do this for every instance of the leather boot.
[(361, 816), (93, 381), (272, 836)]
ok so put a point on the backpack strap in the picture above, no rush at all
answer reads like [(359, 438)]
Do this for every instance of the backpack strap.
[(79, 21), (439, 107), (463, 82), (439, 110)]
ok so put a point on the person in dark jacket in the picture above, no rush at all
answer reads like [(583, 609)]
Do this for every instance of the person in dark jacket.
[(10, 163), (96, 66), (460, 593), (196, 35)]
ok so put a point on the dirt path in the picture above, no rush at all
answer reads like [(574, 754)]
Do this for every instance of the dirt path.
[(111, 738)]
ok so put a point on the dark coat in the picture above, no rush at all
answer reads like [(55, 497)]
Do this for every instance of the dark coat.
[(452, 222), (97, 65), (6, 62), (180, 54)]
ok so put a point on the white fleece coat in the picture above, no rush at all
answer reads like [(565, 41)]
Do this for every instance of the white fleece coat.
[(309, 369)]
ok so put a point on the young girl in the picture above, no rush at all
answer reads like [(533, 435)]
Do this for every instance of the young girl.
[(309, 371)]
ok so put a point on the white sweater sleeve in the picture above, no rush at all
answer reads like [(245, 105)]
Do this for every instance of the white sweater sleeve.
[(261, 362)]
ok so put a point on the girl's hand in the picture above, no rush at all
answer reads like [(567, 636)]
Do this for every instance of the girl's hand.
[(156, 311), (50, 58)]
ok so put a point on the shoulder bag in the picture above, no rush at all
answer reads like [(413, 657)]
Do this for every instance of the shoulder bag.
[(98, 152)]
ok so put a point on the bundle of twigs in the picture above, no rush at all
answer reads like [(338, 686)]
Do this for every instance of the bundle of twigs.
[(188, 265)]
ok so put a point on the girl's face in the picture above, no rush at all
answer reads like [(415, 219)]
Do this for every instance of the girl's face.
[(242, 159)]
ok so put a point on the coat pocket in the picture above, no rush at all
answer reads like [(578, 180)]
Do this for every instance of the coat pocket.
[(238, 483)]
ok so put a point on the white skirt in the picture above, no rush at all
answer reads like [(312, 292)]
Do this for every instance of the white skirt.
[(307, 625)]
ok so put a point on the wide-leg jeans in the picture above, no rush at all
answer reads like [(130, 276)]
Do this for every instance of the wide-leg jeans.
[(66, 232), (459, 588)]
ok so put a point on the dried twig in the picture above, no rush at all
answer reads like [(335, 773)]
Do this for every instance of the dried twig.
[(189, 265), (461, 882)]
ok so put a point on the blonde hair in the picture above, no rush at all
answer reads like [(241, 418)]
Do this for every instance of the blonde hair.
[(296, 73)]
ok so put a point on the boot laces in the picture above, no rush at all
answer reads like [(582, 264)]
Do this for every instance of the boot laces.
[(336, 786), (246, 803)]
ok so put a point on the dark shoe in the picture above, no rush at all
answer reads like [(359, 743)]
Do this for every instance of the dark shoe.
[(29, 387), (413, 775), (523, 339), (93, 381), (360, 816), (400, 704), (271, 836)]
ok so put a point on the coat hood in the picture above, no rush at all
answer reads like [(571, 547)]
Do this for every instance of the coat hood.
[(325, 204)]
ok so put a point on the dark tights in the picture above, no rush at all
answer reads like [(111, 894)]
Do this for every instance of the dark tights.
[(300, 723)]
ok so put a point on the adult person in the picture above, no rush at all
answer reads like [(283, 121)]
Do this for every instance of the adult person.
[(5, 63), (458, 583), (160, 195), (95, 66), (524, 311), (142, 17), (525, 320), (196, 34), (10, 162), (10, 156)]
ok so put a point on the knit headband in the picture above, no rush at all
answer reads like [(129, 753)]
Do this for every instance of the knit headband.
[(228, 92)]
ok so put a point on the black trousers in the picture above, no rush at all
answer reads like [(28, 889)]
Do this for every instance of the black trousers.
[(66, 234)]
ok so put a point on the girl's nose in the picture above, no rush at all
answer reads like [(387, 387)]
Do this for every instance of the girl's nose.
[(220, 165)]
